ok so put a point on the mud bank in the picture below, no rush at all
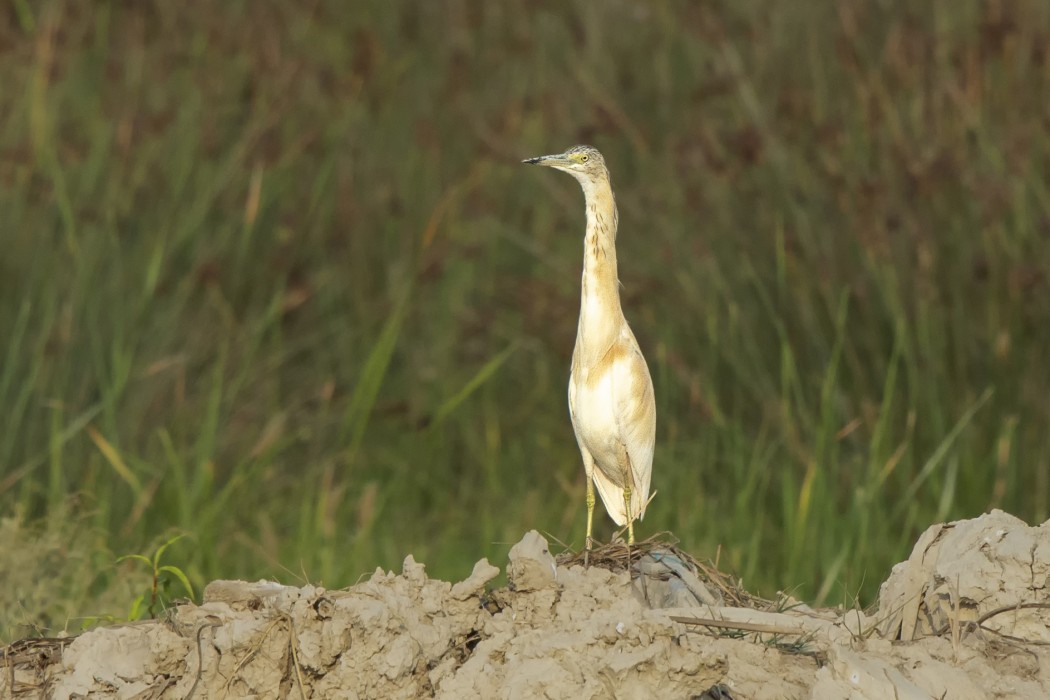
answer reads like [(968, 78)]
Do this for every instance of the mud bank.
[(964, 617)]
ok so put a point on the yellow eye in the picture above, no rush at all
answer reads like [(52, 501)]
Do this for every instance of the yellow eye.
[(583, 158)]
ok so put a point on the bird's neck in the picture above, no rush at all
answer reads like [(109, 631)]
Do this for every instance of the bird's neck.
[(600, 314)]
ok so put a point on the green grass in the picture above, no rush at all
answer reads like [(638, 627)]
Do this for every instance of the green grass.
[(272, 276)]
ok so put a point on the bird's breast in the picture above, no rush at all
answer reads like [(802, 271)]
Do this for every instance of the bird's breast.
[(602, 390), (594, 412)]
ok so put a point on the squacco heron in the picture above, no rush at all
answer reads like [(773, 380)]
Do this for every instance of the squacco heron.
[(610, 391)]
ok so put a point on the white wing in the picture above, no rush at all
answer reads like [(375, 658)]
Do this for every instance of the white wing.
[(634, 407)]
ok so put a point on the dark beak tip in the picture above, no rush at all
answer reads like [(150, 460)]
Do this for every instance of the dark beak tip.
[(531, 161)]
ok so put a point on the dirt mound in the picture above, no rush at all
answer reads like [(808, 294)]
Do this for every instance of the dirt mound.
[(964, 617)]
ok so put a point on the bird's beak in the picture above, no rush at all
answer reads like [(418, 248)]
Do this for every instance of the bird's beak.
[(556, 161)]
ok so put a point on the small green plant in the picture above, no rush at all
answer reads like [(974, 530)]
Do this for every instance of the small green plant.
[(800, 645), (160, 587)]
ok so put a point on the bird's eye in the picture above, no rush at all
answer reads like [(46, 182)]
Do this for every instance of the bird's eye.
[(584, 157)]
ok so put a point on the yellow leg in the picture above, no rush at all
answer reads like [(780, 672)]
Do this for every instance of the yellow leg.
[(590, 519), (630, 515), (628, 480)]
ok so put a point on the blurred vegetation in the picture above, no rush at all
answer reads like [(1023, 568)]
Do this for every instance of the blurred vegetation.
[(272, 275)]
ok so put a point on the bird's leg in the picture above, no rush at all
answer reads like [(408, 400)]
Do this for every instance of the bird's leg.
[(628, 481), (590, 519), (627, 509)]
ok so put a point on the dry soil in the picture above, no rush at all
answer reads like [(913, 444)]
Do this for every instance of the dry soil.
[(964, 617)]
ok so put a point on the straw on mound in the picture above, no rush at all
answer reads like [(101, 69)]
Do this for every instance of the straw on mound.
[(616, 556)]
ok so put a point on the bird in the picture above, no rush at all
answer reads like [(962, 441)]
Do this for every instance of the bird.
[(611, 401)]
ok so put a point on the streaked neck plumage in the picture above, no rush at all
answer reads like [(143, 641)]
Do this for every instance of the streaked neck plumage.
[(600, 314)]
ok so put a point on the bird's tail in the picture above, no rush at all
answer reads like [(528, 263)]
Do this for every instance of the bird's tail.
[(612, 497)]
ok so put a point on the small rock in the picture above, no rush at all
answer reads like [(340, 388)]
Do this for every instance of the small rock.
[(531, 565), (414, 571), (482, 574), (240, 591)]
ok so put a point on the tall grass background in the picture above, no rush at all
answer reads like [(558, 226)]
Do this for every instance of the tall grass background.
[(271, 275)]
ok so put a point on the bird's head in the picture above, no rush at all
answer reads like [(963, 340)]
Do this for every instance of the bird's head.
[(584, 163)]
